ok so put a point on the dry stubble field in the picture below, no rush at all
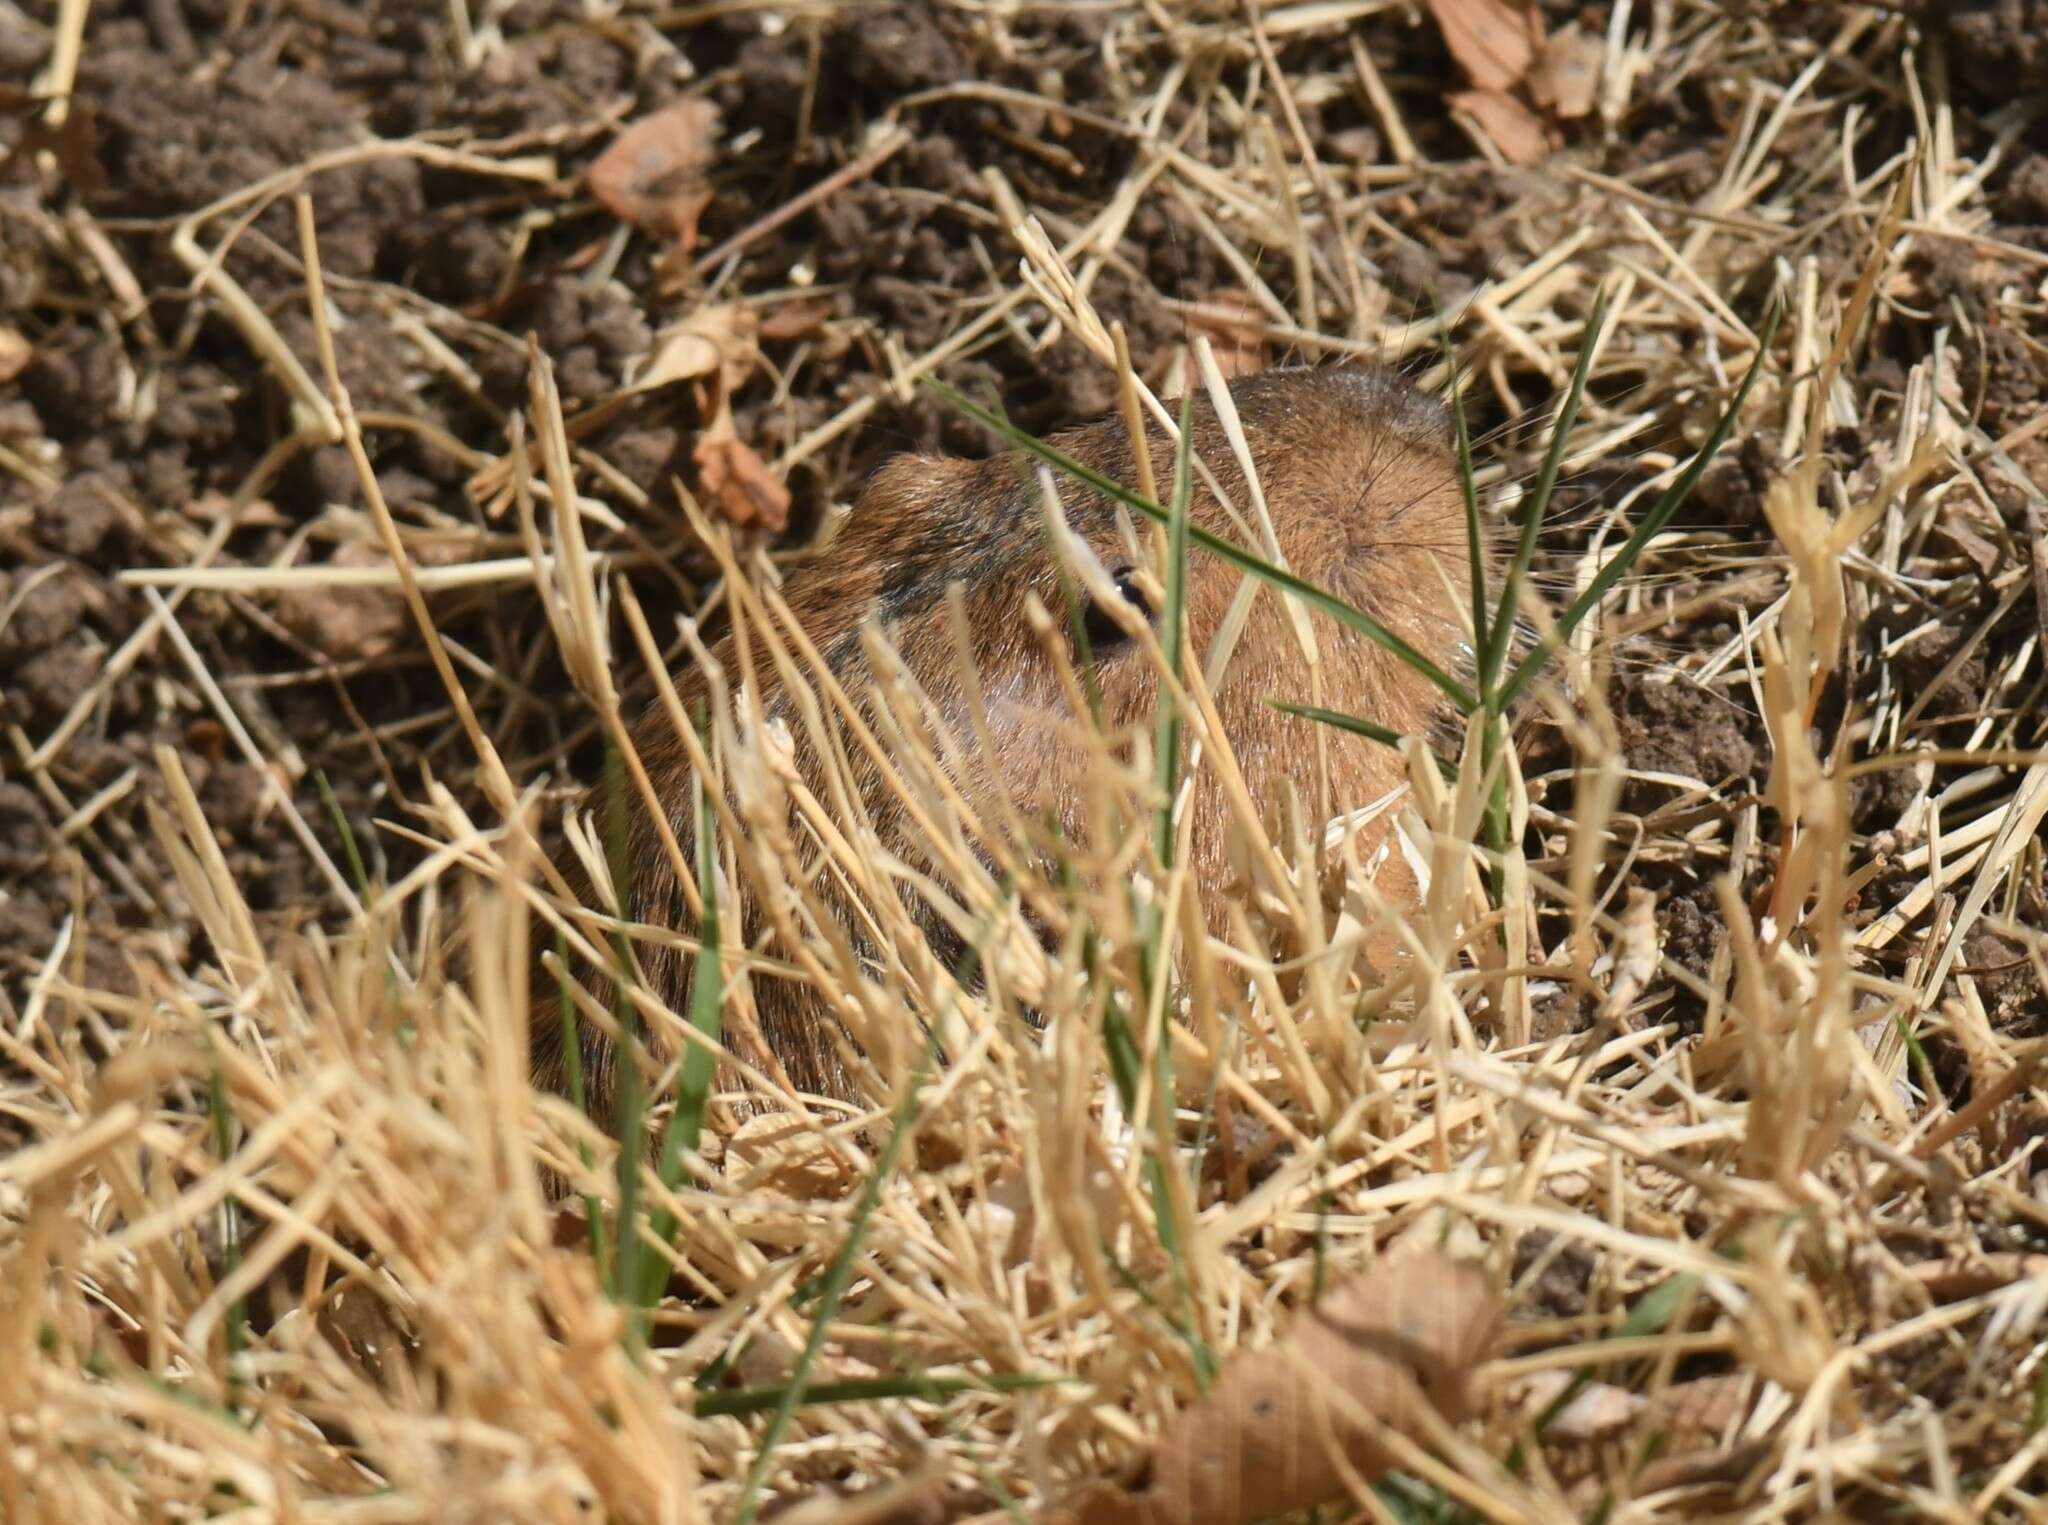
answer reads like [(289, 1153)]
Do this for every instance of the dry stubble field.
[(1733, 1118)]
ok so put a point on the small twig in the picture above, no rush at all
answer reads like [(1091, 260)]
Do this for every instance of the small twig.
[(878, 152)]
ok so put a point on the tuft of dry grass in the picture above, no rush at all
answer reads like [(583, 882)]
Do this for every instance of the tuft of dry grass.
[(1764, 1221)]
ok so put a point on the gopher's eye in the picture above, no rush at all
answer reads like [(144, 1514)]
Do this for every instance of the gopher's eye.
[(1104, 633)]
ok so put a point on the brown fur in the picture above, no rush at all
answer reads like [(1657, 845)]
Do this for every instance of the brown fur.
[(1361, 482)]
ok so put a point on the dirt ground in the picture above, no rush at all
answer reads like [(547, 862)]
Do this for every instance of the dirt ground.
[(148, 419), (141, 416)]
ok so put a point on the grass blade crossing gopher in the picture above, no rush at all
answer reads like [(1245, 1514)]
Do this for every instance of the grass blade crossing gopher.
[(1357, 479)]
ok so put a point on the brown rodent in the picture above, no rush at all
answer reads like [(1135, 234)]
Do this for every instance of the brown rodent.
[(1360, 479)]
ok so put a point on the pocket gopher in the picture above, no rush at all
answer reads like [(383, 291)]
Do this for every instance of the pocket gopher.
[(1359, 478)]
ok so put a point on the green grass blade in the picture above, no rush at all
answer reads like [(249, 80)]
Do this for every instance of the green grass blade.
[(1154, 966), (1650, 1315), (1166, 766), (1202, 1357), (1125, 1061), (1412, 1502), (1652, 525), (1346, 615), (839, 1274), (235, 1327), (632, 1100), (1172, 633), (693, 1083), (1493, 743), (1475, 534), (347, 833), (1494, 652), (1359, 726), (1117, 1043), (572, 1068)]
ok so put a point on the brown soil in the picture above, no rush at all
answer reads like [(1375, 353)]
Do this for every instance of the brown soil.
[(147, 417), (140, 416)]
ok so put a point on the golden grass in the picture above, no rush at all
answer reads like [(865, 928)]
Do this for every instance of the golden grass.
[(276, 1246)]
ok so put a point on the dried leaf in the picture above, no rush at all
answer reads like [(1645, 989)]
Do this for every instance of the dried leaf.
[(717, 349), (1496, 42), (1566, 80), (1707, 1405), (735, 480), (795, 320), (1594, 1495), (1595, 1412), (1516, 131), (714, 343), (766, 1360), (1700, 1468), (653, 174), (1283, 1428)]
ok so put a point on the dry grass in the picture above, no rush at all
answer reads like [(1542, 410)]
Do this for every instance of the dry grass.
[(275, 1245)]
